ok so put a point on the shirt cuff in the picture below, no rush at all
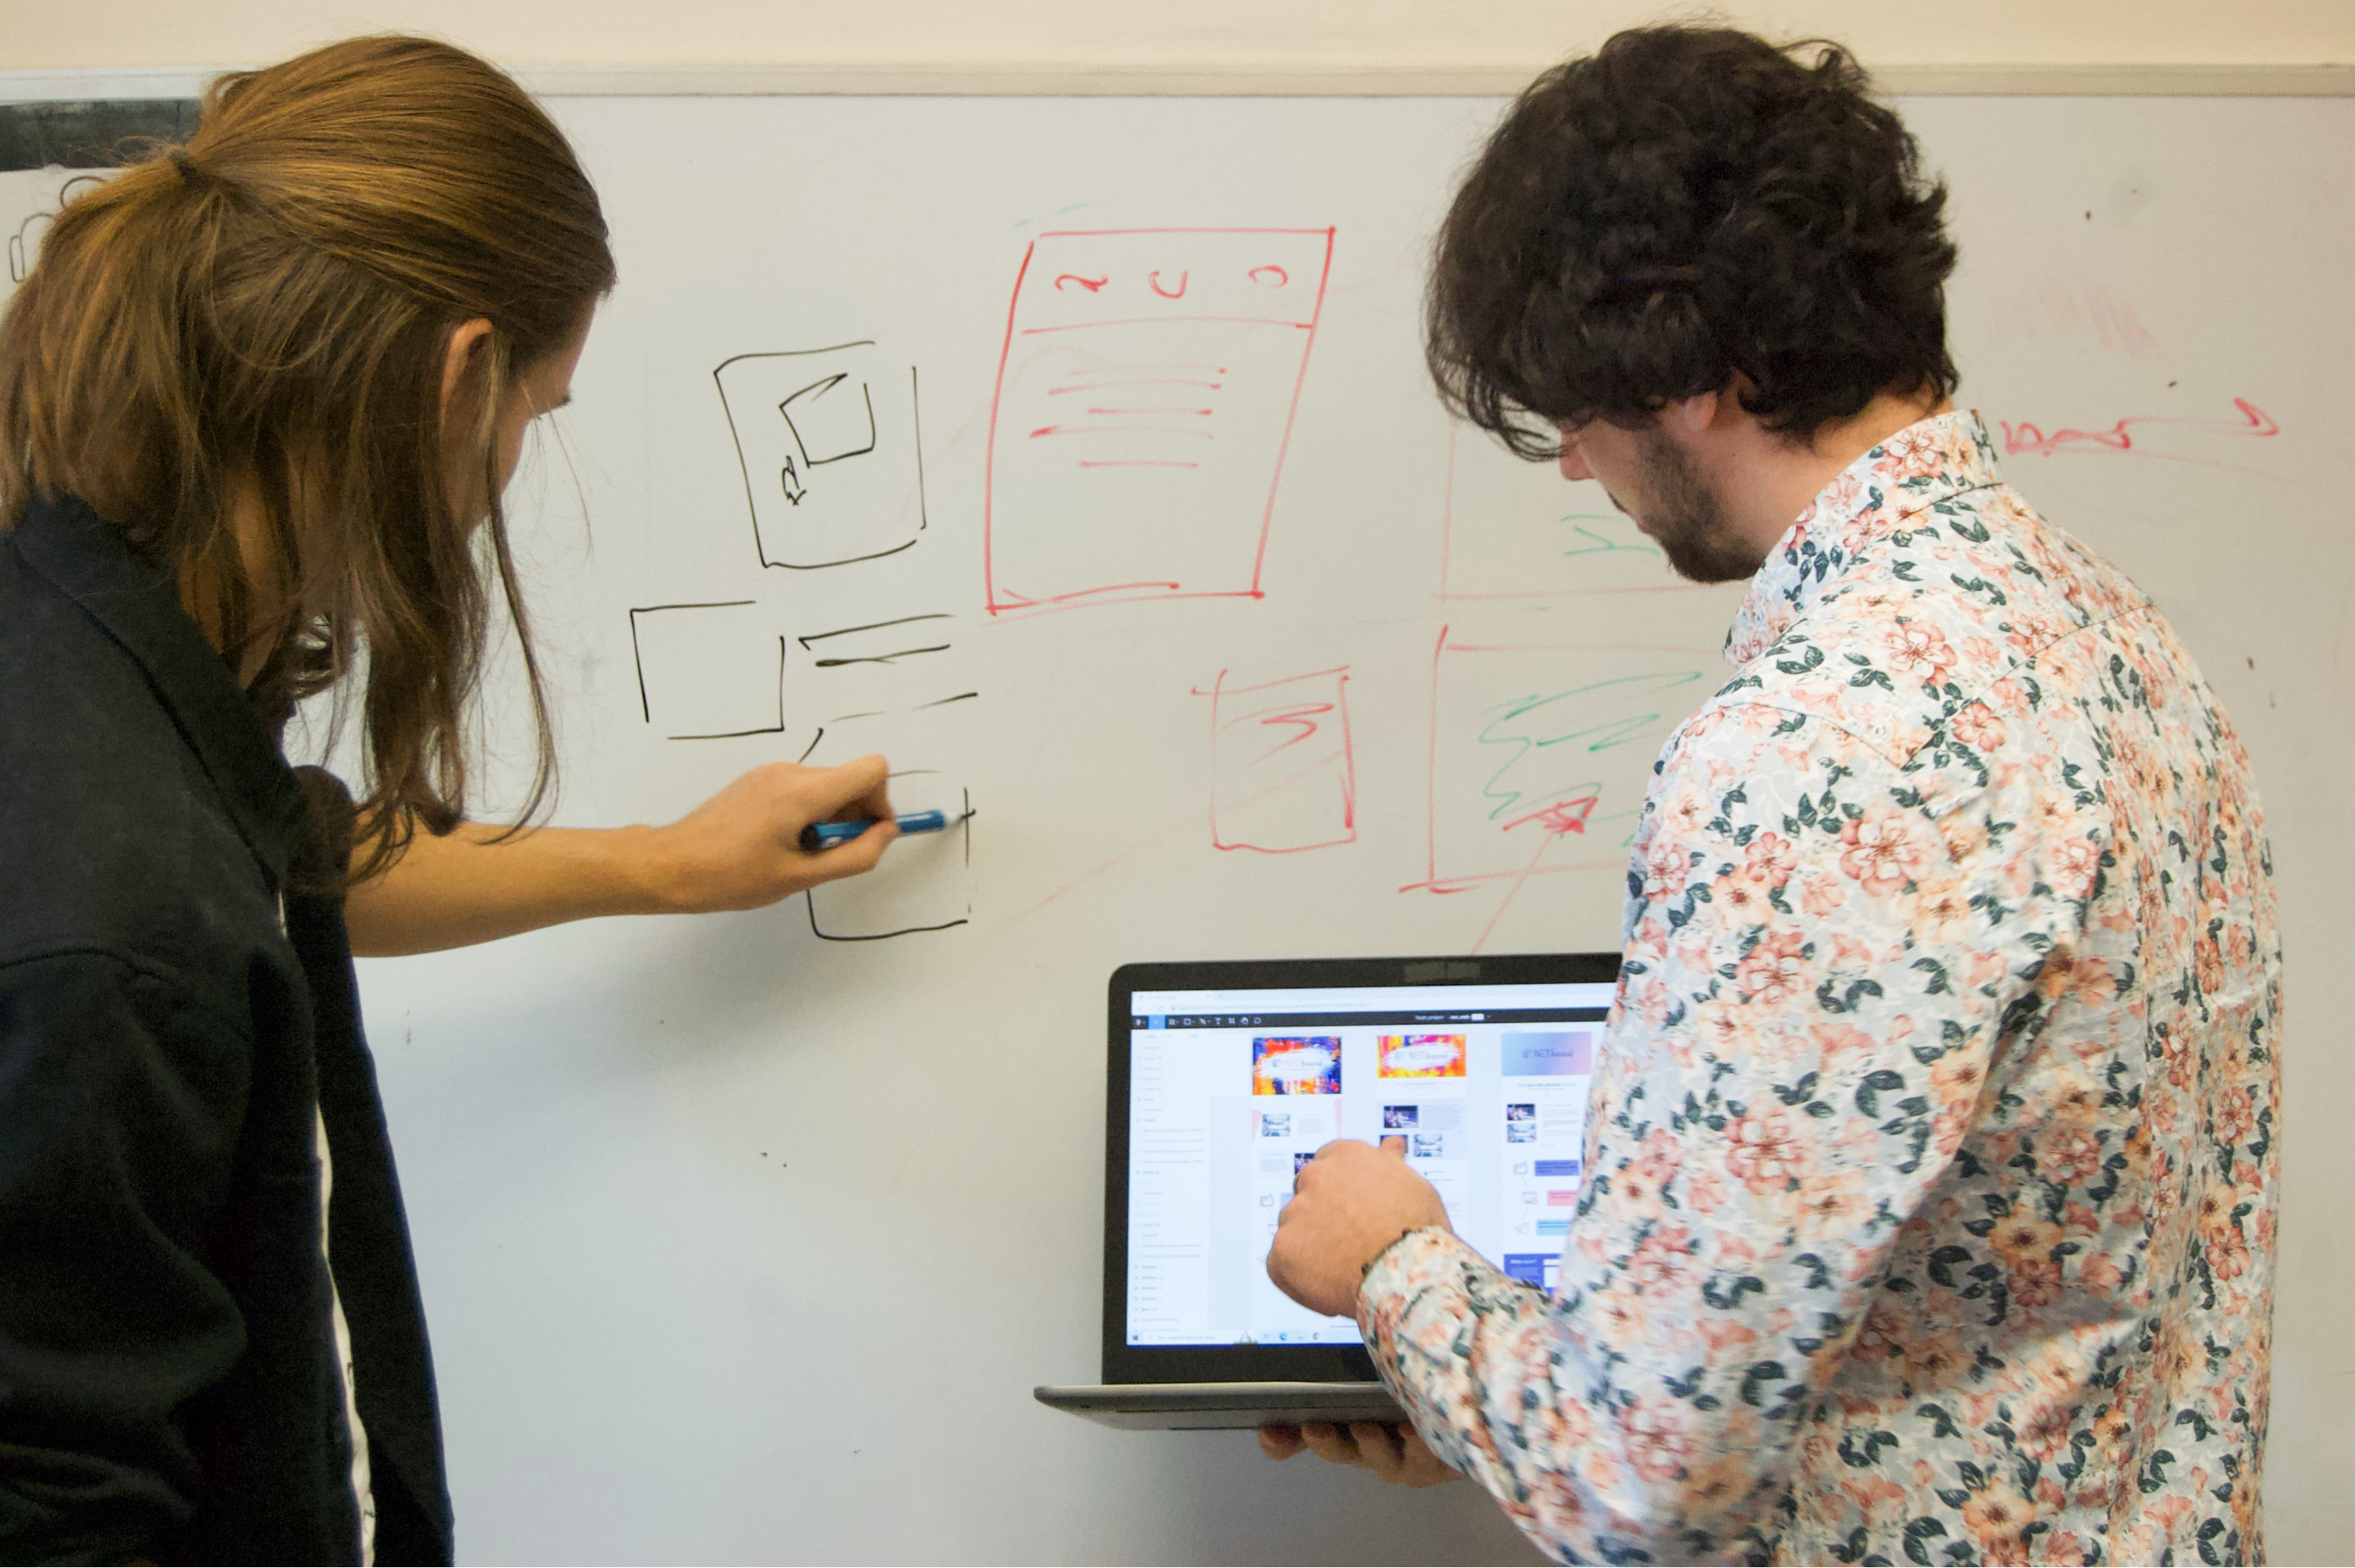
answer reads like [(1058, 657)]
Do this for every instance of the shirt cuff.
[(1403, 1271)]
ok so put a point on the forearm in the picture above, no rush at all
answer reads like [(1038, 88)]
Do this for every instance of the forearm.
[(472, 886), (1500, 1393), (740, 849)]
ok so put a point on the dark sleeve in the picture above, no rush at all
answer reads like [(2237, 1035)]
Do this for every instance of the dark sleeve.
[(121, 1101)]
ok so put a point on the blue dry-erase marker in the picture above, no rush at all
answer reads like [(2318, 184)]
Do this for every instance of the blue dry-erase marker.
[(826, 835)]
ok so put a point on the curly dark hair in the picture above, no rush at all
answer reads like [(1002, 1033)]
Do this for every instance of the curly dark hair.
[(1690, 204)]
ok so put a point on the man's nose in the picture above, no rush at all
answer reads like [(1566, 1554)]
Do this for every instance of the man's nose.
[(1574, 463)]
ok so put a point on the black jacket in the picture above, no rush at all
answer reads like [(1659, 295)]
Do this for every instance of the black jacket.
[(167, 1379)]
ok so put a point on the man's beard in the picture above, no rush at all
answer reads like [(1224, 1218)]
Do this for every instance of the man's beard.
[(1682, 515)]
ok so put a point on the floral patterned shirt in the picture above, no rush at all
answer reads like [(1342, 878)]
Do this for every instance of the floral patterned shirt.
[(1934, 1141)]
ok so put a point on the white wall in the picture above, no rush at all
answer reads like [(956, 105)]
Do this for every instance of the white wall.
[(43, 34)]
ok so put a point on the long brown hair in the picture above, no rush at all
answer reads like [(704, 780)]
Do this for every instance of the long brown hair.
[(262, 315)]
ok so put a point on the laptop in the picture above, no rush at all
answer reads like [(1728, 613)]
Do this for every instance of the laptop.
[(1225, 1078)]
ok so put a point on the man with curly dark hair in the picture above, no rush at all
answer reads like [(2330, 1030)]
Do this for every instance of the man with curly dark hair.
[(1930, 1158)]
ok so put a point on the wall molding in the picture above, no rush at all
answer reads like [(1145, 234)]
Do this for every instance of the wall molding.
[(1215, 80)]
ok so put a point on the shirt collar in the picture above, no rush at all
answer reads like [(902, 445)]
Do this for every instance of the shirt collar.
[(1929, 461), (91, 562)]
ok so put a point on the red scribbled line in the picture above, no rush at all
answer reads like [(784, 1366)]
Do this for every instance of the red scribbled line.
[(1108, 386), (1447, 593), (1121, 431), (1562, 818), (1153, 278), (1100, 233), (1161, 369), (1164, 321), (989, 453), (2027, 437), (1259, 275), (1512, 893), (1171, 590), (1306, 718), (1291, 412), (1001, 601), (1092, 285)]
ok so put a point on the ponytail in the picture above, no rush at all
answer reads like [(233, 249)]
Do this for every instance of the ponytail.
[(264, 312)]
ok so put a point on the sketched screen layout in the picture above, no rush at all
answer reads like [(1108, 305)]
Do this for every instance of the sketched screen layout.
[(1481, 1089)]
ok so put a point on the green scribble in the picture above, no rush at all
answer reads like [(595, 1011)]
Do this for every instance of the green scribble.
[(1580, 720), (1057, 212), (1599, 543)]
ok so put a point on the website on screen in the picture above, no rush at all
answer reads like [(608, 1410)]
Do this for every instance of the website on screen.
[(1481, 1089)]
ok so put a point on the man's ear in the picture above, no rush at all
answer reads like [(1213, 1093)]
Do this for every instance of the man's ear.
[(1690, 417)]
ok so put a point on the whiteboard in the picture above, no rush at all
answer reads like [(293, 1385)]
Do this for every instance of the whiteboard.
[(1069, 451)]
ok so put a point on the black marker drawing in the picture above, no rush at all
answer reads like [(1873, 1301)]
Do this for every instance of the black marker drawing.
[(888, 682), (833, 926), (840, 662), (708, 671), (24, 245), (830, 443)]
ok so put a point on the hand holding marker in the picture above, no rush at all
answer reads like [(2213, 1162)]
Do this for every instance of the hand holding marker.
[(829, 835)]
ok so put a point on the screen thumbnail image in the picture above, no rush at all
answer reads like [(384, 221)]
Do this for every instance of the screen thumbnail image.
[(1521, 1123), (1399, 1116), (1421, 1057), (1562, 1054), (1297, 1065)]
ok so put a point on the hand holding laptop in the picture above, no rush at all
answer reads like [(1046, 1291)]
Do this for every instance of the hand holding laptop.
[(1393, 1452), (1349, 1204)]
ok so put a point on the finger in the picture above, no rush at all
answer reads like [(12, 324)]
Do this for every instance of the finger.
[(1277, 1271), (1395, 1151), (1279, 1442), (1379, 1441), (1329, 1443), (858, 855), (829, 792), (1423, 1468)]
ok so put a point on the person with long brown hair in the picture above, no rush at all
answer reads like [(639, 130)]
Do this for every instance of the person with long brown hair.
[(259, 399)]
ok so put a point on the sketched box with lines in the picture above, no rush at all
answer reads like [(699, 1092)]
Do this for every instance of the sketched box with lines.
[(1541, 754), (1144, 401), (831, 447), (1284, 776)]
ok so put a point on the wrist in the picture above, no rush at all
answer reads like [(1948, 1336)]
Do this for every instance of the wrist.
[(649, 874)]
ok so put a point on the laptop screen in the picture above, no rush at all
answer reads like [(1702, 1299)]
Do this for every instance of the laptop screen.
[(1480, 1086)]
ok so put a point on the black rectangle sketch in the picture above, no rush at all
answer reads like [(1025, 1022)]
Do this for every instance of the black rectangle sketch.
[(708, 671), (881, 642), (925, 883), (830, 443)]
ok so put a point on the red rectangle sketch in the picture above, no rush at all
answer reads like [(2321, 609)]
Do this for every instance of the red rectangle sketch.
[(1541, 754), (1517, 530), (1144, 399), (1281, 775)]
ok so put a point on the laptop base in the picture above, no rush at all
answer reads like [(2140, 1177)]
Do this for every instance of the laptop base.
[(1221, 1406)]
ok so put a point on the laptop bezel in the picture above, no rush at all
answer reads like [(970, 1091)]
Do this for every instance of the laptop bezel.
[(1128, 1363)]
